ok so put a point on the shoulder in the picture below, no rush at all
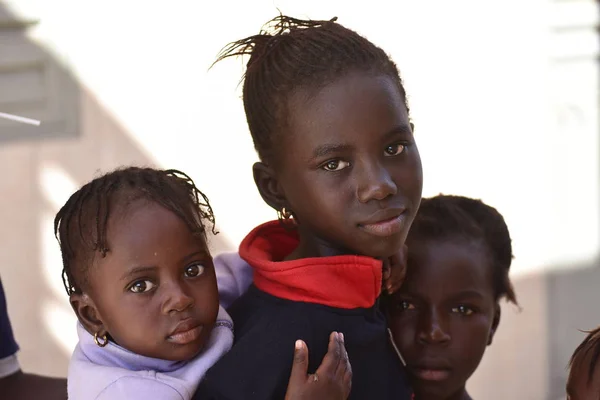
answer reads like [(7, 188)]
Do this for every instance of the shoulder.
[(133, 387), (234, 275)]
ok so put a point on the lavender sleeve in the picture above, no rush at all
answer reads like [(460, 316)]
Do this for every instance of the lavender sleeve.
[(234, 276)]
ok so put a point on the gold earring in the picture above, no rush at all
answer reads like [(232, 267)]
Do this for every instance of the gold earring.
[(102, 343), (284, 214)]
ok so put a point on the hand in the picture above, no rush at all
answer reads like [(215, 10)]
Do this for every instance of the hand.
[(333, 379), (394, 271)]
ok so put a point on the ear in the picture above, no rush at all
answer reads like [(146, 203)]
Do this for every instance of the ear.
[(268, 186), (495, 323), (88, 314)]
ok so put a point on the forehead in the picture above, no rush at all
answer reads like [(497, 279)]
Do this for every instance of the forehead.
[(356, 106), (145, 226), (445, 266)]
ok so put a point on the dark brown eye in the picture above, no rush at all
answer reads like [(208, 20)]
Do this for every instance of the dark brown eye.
[(394, 149), (335, 165), (194, 270), (141, 286)]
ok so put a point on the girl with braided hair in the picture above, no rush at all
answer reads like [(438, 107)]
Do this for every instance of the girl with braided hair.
[(329, 118)]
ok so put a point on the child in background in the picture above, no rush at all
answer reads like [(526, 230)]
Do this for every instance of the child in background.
[(447, 311), (140, 278), (328, 115), (584, 376)]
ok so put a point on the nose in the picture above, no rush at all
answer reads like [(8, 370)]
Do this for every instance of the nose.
[(433, 329), (176, 299), (374, 182)]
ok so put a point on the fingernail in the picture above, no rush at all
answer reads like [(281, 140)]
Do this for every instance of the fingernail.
[(298, 344), (342, 337)]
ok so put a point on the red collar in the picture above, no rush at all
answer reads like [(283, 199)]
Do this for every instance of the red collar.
[(341, 281)]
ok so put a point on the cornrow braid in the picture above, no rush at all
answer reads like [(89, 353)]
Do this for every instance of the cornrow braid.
[(80, 225), (444, 217), (290, 54)]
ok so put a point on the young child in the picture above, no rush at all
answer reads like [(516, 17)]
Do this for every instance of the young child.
[(447, 311), (328, 116), (584, 376), (140, 278)]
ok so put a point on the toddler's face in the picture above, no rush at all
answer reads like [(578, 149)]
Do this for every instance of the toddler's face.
[(155, 292)]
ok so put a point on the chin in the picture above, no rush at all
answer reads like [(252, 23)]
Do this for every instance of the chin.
[(382, 247)]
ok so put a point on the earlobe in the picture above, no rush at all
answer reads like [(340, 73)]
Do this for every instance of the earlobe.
[(268, 186), (87, 314), (495, 323)]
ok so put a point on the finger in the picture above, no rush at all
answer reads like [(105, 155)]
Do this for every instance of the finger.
[(300, 363), (347, 383), (332, 358), (344, 362), (387, 270)]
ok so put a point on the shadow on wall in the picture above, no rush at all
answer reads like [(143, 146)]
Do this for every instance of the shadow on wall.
[(531, 350), (41, 167)]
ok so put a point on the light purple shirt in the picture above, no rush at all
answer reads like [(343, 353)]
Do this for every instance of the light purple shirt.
[(114, 373)]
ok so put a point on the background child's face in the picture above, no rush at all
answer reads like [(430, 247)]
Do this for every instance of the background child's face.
[(155, 292), (443, 317), (579, 387), (351, 171)]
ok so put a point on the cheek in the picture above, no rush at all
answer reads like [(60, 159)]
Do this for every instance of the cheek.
[(470, 341), (403, 331)]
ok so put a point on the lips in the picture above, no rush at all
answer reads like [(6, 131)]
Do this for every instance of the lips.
[(186, 331), (386, 222), (434, 371)]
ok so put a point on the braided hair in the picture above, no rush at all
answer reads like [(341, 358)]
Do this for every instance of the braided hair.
[(449, 217), (290, 54), (80, 226)]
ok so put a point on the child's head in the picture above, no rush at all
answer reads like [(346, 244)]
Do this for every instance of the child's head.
[(584, 376), (328, 114), (136, 264), (447, 310)]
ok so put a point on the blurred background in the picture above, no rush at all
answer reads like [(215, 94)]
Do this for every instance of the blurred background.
[(504, 96)]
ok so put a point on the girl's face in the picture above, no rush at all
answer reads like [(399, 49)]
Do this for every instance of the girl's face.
[(348, 168), (155, 292), (444, 315)]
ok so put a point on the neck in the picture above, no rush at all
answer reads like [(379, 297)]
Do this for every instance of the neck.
[(311, 246)]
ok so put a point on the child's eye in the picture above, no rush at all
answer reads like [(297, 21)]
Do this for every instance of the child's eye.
[(335, 165), (141, 286), (394, 149), (406, 305), (194, 270), (464, 310)]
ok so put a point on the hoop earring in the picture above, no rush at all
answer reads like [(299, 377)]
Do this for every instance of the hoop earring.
[(284, 214), (100, 343)]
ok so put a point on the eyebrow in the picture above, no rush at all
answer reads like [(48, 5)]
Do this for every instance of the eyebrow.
[(467, 294), (150, 268), (137, 271), (400, 129), (329, 149)]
